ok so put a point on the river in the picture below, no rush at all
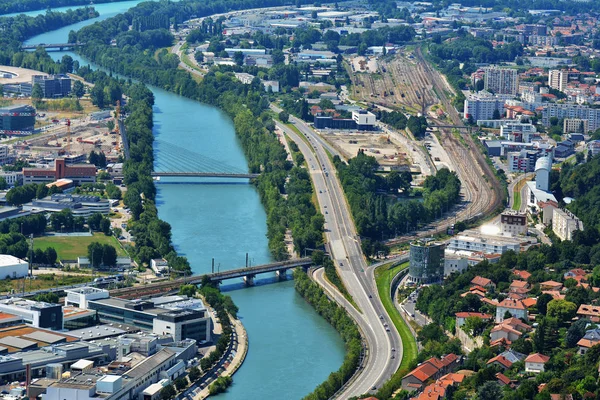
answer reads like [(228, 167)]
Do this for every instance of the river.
[(292, 349)]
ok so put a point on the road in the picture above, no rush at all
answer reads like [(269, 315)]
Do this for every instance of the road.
[(347, 254)]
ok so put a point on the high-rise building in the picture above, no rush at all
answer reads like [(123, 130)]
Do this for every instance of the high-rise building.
[(426, 262), (482, 106), (501, 80), (557, 79), (572, 111)]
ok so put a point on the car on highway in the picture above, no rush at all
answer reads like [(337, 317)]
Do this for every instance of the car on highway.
[(387, 329), (381, 317)]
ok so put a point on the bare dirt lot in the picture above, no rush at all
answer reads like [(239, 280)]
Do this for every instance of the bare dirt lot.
[(387, 151)]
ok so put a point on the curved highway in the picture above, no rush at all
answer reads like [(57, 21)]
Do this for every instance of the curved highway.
[(344, 244)]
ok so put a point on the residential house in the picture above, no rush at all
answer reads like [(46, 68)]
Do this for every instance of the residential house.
[(518, 284), (551, 285), (461, 317), (432, 368), (591, 338), (516, 308), (575, 273), (504, 380), (535, 363), (500, 361), (510, 330), (483, 282), (590, 312), (438, 389), (522, 274), (513, 356)]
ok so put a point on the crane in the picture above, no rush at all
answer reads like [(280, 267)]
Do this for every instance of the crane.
[(68, 148)]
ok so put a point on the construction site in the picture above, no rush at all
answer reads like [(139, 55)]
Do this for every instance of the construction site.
[(78, 136)]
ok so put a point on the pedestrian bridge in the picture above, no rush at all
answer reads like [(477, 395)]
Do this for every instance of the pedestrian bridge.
[(172, 161)]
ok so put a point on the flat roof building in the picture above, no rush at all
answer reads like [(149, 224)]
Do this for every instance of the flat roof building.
[(53, 86), (474, 241), (78, 173), (13, 267), (80, 206), (17, 119), (37, 313), (179, 316)]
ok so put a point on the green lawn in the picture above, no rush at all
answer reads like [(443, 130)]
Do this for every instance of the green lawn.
[(71, 247), (383, 277), (517, 200)]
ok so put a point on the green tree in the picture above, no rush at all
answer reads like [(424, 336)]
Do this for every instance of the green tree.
[(95, 253), (194, 374), (78, 89), (199, 57), (238, 58), (188, 290), (489, 391), (181, 383), (284, 117), (3, 184), (50, 255), (37, 93), (109, 255), (66, 64), (542, 303), (562, 310), (105, 226), (168, 392)]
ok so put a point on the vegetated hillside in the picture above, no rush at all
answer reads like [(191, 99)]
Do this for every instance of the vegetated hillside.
[(582, 182), (555, 332)]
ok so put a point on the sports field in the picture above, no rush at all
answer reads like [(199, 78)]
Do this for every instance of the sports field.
[(71, 247)]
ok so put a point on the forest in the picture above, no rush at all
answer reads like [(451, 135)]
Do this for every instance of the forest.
[(377, 213)]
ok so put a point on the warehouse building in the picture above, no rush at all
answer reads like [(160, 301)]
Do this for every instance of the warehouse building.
[(37, 313), (80, 206), (13, 267)]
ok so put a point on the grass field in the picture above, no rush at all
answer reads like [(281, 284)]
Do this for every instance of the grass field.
[(71, 247), (517, 201), (44, 281), (383, 277)]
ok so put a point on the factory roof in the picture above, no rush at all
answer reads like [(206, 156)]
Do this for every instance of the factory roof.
[(97, 332), (41, 336), (6, 259), (143, 368)]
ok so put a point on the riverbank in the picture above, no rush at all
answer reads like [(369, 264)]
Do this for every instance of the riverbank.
[(241, 350)]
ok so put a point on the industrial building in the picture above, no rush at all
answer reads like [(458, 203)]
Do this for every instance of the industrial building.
[(78, 173), (17, 119), (13, 267), (37, 313), (565, 223), (426, 262), (178, 316), (80, 206), (53, 86), (361, 120)]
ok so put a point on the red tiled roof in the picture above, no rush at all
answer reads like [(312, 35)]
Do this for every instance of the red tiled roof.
[(472, 314), (503, 378), (537, 358), (524, 275), (424, 372), (481, 281), (513, 304), (588, 310), (519, 284), (502, 360), (529, 302)]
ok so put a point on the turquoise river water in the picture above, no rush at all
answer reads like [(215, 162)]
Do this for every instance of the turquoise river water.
[(292, 349)]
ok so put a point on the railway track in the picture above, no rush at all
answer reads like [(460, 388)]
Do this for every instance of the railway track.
[(482, 196)]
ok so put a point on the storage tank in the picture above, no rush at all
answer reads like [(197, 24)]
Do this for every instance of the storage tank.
[(54, 371)]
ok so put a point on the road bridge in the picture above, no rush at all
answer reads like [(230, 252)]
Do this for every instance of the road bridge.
[(52, 46)]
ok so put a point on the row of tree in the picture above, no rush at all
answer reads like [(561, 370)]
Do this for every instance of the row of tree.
[(345, 326)]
